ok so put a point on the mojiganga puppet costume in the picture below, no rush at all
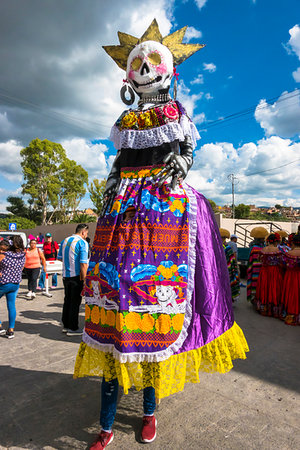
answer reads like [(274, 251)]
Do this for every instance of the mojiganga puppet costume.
[(158, 300)]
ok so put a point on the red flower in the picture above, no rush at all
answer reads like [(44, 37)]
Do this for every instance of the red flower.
[(171, 112)]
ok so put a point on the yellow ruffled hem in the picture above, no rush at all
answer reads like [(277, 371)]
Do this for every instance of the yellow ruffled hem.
[(170, 376)]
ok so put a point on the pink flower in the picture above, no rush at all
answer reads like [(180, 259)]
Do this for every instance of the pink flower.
[(171, 112)]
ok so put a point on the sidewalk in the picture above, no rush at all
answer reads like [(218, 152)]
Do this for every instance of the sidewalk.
[(255, 406)]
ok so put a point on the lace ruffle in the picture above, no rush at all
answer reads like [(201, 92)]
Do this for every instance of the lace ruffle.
[(155, 136), (167, 377)]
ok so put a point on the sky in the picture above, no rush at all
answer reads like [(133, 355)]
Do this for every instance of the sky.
[(242, 89)]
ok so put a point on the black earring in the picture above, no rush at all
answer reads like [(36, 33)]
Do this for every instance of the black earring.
[(123, 92)]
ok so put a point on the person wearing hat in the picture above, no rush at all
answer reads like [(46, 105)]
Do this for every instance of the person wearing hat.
[(233, 244), (50, 249)]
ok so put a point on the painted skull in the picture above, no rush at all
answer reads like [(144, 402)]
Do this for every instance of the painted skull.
[(150, 68)]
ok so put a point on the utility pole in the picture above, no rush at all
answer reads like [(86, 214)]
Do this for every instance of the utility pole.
[(234, 180)]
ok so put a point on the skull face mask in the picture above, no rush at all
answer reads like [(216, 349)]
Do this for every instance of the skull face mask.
[(150, 68)]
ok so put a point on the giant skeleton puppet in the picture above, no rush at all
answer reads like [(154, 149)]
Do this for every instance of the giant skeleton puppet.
[(158, 299)]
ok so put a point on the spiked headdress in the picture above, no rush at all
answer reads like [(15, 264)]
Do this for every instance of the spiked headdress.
[(173, 42)]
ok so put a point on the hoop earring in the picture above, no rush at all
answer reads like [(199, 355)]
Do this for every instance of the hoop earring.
[(123, 92)]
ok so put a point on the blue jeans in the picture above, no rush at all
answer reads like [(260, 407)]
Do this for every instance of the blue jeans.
[(10, 290), (43, 279), (109, 397)]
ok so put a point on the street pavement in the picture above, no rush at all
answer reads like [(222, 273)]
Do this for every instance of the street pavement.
[(255, 406)]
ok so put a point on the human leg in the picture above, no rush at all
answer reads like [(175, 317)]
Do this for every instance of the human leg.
[(149, 402), (148, 433), (35, 275), (54, 280), (11, 296), (75, 289), (42, 279), (66, 305), (109, 398)]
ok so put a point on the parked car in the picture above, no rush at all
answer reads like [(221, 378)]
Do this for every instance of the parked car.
[(10, 234)]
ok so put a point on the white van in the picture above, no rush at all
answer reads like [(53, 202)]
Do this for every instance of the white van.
[(10, 234)]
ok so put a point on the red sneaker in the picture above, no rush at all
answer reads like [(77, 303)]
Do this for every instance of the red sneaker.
[(102, 440), (149, 429)]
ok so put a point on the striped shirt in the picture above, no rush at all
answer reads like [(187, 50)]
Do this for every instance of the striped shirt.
[(73, 251)]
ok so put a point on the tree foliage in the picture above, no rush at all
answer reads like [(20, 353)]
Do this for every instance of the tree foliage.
[(96, 190), (242, 211), (22, 222), (17, 206), (83, 218), (53, 182), (213, 205)]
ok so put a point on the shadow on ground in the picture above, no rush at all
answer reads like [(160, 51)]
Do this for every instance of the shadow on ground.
[(50, 409)]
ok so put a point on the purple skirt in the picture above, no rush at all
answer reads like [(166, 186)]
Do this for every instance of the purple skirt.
[(157, 283)]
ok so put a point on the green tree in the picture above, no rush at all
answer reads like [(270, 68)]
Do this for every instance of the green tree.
[(242, 211), (96, 190), (277, 206), (213, 205), (22, 222), (73, 179), (17, 206), (40, 163), (83, 218)]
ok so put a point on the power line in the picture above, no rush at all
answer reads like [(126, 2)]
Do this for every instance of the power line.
[(284, 97), (268, 170)]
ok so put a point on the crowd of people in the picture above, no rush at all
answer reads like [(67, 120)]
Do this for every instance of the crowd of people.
[(16, 260), (273, 275)]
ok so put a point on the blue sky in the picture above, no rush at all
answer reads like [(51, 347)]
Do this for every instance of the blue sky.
[(57, 83)]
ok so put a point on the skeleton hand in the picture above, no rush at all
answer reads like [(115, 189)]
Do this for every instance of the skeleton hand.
[(176, 166), (108, 198)]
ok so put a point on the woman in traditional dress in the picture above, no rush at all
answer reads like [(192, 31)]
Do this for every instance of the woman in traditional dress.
[(270, 280), (233, 271), (291, 285), (254, 263), (158, 300)]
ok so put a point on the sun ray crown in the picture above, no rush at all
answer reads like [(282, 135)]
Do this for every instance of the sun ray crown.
[(180, 51)]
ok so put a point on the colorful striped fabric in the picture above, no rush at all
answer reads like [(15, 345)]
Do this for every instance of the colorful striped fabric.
[(253, 270), (233, 272)]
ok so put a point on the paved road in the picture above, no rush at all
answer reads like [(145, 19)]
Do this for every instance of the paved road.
[(255, 406)]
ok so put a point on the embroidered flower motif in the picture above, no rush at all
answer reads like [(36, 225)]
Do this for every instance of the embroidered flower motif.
[(171, 112), (103, 316), (144, 173), (129, 120), (147, 323), (177, 322), (145, 120), (119, 322), (163, 324), (110, 318), (133, 321), (87, 312), (177, 205), (95, 314)]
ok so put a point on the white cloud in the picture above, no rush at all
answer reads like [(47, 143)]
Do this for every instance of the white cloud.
[(192, 33), (10, 160), (187, 99), (293, 46), (199, 118), (210, 67), (200, 3), (214, 162), (282, 117), (198, 80), (208, 96), (90, 156)]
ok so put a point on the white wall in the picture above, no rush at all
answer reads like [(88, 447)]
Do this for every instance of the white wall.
[(229, 224)]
